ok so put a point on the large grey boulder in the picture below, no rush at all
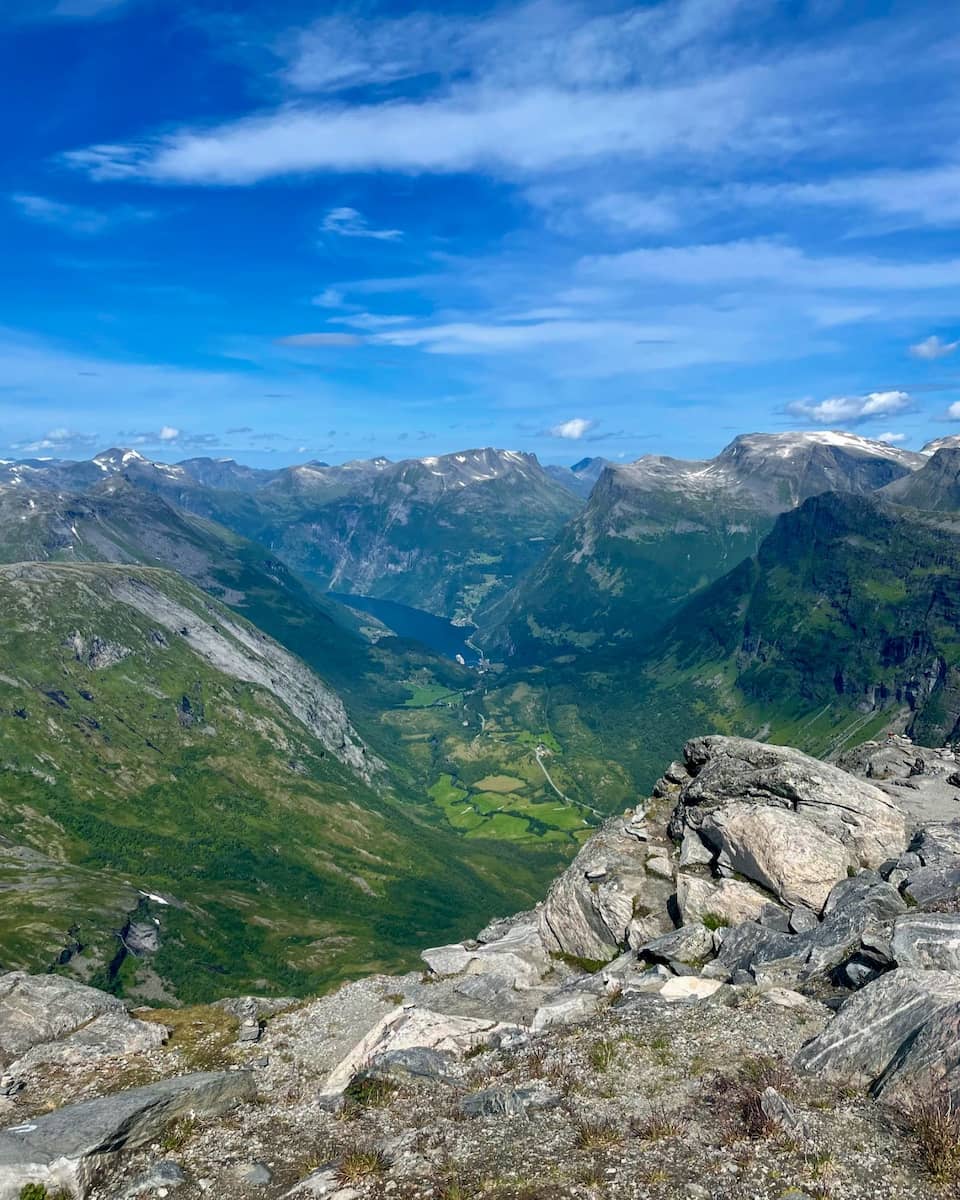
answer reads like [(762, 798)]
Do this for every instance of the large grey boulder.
[(689, 945), (928, 1061), (590, 907), (779, 849), (850, 945), (43, 1008), (68, 1149), (849, 810), (566, 1008), (875, 1025), (927, 941), (937, 844), (934, 886), (414, 1029), (727, 899), (518, 956), (111, 1035)]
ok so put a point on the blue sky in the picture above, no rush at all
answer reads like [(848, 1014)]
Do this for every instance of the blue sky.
[(294, 230)]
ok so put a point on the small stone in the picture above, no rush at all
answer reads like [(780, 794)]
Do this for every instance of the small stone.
[(689, 987), (803, 919), (660, 866), (255, 1174), (778, 1110)]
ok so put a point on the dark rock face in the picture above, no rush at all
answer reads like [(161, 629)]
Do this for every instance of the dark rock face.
[(876, 1025)]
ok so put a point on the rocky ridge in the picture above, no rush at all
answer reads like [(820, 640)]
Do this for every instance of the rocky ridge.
[(747, 986)]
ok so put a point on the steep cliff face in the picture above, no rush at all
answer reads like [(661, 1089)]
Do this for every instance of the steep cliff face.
[(657, 531)]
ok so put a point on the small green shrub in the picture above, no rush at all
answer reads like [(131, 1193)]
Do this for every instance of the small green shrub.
[(715, 921)]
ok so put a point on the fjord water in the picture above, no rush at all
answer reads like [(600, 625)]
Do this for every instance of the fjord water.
[(438, 633)]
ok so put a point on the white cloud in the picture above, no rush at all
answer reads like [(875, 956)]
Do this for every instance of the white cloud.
[(311, 340), (544, 39), (531, 129), (474, 337), (168, 433), (74, 218), (635, 213), (893, 438), (365, 320), (953, 411), (347, 222), (852, 410), (574, 429), (916, 197), (329, 298), (762, 260), (933, 347)]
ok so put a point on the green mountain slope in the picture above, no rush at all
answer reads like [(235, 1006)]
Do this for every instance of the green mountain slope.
[(846, 621), (430, 719), (657, 531), (151, 741)]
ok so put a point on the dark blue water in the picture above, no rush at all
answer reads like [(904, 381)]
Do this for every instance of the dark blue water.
[(438, 633)]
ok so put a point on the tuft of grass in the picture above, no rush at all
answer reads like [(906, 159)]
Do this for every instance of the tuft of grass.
[(360, 1163), (714, 921), (657, 1126), (933, 1121), (589, 966), (201, 1033), (364, 1091), (178, 1133), (602, 1054), (598, 1134), (738, 1098)]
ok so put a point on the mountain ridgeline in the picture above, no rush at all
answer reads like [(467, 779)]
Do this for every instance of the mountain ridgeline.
[(447, 534)]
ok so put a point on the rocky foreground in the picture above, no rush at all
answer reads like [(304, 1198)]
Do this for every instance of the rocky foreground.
[(749, 986)]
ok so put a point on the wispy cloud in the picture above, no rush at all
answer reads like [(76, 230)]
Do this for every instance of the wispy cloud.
[(366, 320), (775, 262), (933, 347), (347, 222), (852, 410), (308, 341), (58, 440), (75, 218), (532, 88)]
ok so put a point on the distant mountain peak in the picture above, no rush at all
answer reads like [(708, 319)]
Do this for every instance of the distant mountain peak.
[(949, 442)]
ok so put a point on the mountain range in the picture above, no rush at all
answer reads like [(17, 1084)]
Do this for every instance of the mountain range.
[(656, 531), (188, 720), (448, 534)]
